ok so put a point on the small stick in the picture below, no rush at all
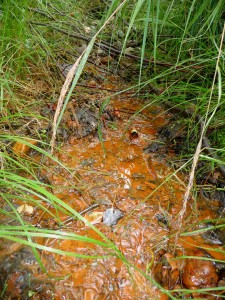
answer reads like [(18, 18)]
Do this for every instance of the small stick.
[(112, 49), (86, 210)]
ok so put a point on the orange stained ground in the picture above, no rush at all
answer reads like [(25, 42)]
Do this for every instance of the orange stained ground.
[(119, 174)]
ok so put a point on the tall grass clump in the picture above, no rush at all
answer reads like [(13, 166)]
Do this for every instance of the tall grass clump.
[(177, 46), (15, 39)]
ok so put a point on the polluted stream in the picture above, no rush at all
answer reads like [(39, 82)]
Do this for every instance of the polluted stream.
[(132, 195)]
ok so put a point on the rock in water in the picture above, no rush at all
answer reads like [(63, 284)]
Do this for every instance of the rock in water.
[(199, 273), (111, 216)]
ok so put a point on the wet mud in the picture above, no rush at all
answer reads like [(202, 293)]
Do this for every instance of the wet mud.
[(133, 197)]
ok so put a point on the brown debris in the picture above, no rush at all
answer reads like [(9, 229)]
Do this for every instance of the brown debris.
[(22, 149), (199, 273)]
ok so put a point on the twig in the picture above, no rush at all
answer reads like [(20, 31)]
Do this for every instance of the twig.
[(73, 35), (63, 93), (41, 12), (70, 77), (85, 211), (67, 14), (111, 48), (199, 146), (101, 68)]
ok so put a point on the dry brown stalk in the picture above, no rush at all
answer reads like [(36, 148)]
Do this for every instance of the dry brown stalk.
[(199, 146), (69, 79)]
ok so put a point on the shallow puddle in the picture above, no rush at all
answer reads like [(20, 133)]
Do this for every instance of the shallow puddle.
[(118, 174)]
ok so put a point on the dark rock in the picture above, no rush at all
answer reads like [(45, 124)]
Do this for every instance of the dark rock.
[(17, 276)]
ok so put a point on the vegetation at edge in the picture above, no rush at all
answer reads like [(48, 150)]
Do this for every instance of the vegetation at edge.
[(175, 46)]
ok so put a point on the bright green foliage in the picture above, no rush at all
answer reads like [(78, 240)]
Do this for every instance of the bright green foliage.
[(15, 37), (182, 41)]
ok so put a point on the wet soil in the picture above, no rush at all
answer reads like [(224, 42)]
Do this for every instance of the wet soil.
[(115, 175)]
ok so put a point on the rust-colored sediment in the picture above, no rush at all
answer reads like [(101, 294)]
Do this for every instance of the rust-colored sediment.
[(124, 177)]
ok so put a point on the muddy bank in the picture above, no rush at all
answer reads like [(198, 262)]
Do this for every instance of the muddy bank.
[(133, 197)]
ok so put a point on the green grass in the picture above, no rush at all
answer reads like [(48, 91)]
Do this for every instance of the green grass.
[(179, 50)]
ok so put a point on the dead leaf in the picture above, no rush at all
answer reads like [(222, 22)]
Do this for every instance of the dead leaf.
[(21, 149), (94, 218), (25, 209), (175, 264)]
